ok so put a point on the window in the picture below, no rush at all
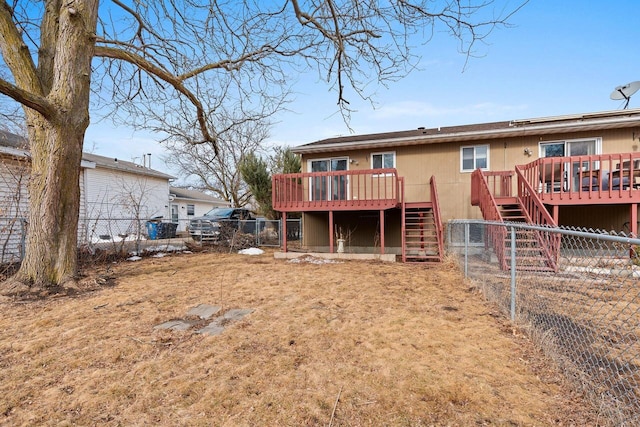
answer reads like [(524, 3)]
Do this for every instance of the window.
[(474, 157), (576, 147), (191, 209), (383, 160)]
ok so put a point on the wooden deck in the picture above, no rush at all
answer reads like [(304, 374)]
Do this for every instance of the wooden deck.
[(548, 183), (585, 180), (370, 189)]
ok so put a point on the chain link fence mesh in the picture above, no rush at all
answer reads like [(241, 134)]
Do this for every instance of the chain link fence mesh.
[(121, 237), (576, 292)]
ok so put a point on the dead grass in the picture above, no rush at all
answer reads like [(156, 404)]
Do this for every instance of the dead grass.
[(399, 344)]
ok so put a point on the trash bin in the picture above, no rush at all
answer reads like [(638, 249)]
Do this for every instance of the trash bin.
[(152, 230), (170, 230), (164, 230)]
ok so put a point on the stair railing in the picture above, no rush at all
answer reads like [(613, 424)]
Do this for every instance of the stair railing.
[(496, 236), (537, 214), (436, 216)]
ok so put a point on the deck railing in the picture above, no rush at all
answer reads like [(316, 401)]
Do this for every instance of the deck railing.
[(496, 236), (437, 215), (580, 179), (537, 214), (338, 190)]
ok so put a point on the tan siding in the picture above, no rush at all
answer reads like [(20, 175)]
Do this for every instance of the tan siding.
[(360, 229), (600, 217), (418, 163)]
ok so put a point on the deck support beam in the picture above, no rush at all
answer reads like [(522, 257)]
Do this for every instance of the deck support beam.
[(330, 232), (556, 213), (283, 230), (381, 232)]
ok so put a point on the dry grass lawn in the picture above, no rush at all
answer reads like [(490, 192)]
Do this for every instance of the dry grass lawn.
[(341, 344)]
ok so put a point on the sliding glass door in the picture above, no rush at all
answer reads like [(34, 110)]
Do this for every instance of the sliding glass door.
[(578, 147), (329, 187)]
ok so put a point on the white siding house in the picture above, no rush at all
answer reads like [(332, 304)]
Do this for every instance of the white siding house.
[(116, 197), (118, 189), (187, 204)]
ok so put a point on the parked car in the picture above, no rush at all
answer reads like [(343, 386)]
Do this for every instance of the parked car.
[(221, 223)]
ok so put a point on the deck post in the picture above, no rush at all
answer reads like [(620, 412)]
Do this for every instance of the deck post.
[(330, 232), (283, 231), (633, 219), (556, 210), (381, 232)]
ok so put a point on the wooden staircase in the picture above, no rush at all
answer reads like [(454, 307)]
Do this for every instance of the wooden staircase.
[(421, 239), (530, 256)]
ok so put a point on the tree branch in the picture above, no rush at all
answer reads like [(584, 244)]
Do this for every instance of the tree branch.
[(164, 75), (37, 103), (16, 53)]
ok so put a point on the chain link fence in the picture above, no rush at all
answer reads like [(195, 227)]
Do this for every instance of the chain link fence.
[(577, 293), (132, 236), (12, 240)]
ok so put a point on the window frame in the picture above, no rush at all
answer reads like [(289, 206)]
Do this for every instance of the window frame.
[(383, 153), (475, 158), (567, 142)]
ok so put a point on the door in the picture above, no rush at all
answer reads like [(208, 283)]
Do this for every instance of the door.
[(329, 187), (174, 214), (583, 147)]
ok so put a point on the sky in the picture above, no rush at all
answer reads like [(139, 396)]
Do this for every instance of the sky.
[(557, 58)]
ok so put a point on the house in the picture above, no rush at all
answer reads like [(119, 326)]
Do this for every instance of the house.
[(113, 193), (187, 204), (391, 192)]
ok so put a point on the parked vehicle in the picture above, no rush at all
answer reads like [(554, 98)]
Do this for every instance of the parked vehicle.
[(222, 223)]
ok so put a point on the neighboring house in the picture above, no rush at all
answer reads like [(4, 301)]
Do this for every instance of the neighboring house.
[(112, 193), (391, 192), (113, 188), (186, 204)]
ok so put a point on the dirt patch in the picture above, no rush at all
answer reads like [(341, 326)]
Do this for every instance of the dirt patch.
[(367, 343)]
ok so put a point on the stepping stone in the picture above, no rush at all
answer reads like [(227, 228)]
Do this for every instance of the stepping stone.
[(204, 311), (216, 327), (174, 325), (237, 313), (211, 329)]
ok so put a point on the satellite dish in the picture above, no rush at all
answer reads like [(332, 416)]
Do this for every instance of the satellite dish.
[(625, 92)]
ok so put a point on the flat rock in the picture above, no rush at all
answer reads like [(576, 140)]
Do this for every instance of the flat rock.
[(174, 325), (237, 313), (211, 329), (204, 311)]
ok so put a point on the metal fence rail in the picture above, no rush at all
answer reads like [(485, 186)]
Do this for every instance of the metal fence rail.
[(585, 315), (134, 236)]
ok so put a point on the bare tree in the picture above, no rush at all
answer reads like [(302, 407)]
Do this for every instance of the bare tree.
[(170, 64), (213, 167)]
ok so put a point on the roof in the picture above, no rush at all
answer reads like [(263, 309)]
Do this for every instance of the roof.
[(507, 129), (183, 193), (16, 145), (122, 165)]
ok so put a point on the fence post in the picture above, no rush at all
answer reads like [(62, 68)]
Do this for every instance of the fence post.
[(466, 249), (513, 274)]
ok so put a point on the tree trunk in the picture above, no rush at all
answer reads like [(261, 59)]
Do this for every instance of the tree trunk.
[(56, 152), (54, 191)]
